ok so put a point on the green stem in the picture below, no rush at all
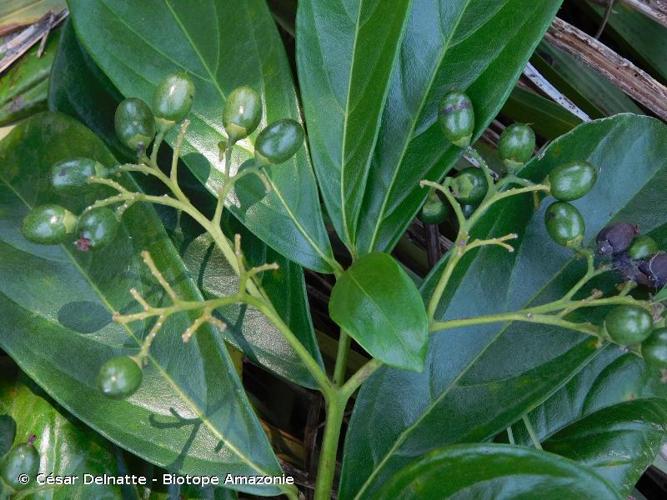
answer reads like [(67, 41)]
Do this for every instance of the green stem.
[(360, 377), (309, 362), (344, 343), (326, 469)]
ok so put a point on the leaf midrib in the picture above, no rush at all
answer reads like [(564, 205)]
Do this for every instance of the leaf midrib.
[(413, 125)]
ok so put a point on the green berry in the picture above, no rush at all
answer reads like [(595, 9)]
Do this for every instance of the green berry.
[(71, 174), (654, 348), (48, 224), (572, 180), (135, 123), (434, 210), (470, 186), (242, 113), (516, 145), (96, 228), (23, 459), (172, 99), (564, 224), (457, 118), (119, 377), (279, 141), (628, 325), (642, 247)]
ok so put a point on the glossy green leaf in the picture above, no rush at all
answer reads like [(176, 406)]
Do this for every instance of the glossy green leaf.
[(614, 389), (66, 447), (481, 379), (619, 441), (610, 378), (448, 45), (379, 306), (494, 471), (24, 86), (78, 88), (190, 414), (345, 54), (248, 329), (222, 44)]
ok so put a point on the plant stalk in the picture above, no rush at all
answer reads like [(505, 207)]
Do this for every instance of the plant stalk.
[(326, 470)]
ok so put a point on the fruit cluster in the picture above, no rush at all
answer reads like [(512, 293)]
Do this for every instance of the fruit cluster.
[(636, 257), (19, 467), (137, 126)]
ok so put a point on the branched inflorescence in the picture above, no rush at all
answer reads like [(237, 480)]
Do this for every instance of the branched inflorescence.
[(138, 126), (632, 323)]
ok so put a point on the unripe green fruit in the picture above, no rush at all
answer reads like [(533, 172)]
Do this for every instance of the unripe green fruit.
[(572, 180), (434, 210), (242, 113), (628, 325), (72, 174), (135, 123), (172, 99), (48, 224), (516, 145), (23, 459), (96, 228), (642, 247), (564, 224), (457, 118), (470, 186), (654, 348), (119, 377), (279, 141)]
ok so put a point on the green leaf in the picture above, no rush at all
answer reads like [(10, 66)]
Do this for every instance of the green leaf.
[(78, 88), (190, 414), (248, 329), (222, 44), (481, 379), (24, 86), (379, 306), (495, 471), (66, 447), (345, 54), (479, 47), (616, 432), (620, 441)]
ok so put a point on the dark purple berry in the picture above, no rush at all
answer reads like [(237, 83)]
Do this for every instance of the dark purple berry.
[(628, 268), (616, 238), (656, 270)]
